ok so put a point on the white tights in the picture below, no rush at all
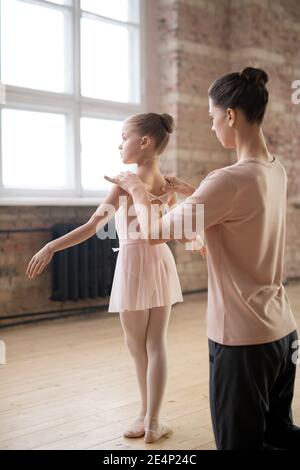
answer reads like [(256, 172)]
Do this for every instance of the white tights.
[(145, 334)]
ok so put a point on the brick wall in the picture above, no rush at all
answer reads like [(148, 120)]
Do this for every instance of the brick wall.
[(198, 41), (266, 34), (201, 40), (18, 294)]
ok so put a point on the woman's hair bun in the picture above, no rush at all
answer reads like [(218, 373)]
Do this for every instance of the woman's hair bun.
[(254, 75), (168, 122)]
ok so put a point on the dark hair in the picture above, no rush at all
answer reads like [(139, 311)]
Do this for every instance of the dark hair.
[(244, 90), (159, 126)]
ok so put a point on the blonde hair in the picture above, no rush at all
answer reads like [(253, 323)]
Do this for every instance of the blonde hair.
[(158, 126)]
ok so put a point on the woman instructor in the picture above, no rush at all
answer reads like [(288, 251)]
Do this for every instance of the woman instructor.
[(250, 325)]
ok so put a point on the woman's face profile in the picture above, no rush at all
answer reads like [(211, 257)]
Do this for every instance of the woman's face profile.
[(222, 124)]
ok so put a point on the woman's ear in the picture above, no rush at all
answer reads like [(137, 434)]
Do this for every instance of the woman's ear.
[(231, 116)]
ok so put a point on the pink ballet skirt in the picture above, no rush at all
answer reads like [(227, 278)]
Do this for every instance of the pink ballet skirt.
[(145, 275)]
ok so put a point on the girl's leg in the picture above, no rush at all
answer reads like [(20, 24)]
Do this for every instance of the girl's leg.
[(135, 324), (157, 371)]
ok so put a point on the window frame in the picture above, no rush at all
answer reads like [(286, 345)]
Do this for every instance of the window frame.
[(75, 106)]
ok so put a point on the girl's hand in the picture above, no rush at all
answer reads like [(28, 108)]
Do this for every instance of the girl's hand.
[(178, 185), (39, 261), (202, 251), (127, 180), (197, 246)]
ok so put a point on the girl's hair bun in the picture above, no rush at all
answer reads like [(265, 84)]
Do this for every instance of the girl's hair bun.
[(168, 122)]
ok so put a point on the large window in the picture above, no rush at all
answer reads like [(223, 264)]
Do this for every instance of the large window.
[(72, 73)]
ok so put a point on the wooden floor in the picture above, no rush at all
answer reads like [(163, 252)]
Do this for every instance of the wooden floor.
[(70, 383)]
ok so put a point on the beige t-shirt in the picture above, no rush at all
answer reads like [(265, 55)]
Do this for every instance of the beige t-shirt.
[(245, 224)]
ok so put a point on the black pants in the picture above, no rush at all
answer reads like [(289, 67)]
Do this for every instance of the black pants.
[(251, 392)]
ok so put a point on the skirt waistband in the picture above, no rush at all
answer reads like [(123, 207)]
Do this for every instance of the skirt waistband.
[(130, 242)]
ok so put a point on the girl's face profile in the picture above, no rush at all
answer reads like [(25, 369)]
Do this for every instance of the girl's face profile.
[(222, 125), (130, 146)]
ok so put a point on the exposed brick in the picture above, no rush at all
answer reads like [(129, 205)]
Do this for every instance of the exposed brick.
[(206, 40), (198, 41)]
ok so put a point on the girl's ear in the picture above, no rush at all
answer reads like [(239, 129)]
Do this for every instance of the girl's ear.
[(231, 116), (145, 141)]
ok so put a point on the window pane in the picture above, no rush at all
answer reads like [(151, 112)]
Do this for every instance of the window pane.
[(122, 10), (100, 155), (62, 2), (105, 68), (33, 150), (32, 46)]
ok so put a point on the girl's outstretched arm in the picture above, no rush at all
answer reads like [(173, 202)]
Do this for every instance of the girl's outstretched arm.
[(101, 216)]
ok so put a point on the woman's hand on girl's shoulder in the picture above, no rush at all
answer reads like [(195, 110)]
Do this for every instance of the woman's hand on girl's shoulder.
[(178, 186)]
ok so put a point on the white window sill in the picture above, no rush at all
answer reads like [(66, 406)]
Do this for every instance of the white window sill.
[(50, 201), (77, 201)]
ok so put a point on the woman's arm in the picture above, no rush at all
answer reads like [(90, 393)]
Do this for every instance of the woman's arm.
[(101, 216), (195, 246), (173, 204)]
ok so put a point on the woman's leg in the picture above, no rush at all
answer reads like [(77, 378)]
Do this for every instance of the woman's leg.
[(280, 429), (135, 324), (251, 389), (157, 371)]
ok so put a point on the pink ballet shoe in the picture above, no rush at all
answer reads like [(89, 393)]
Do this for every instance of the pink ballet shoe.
[(136, 429), (152, 435)]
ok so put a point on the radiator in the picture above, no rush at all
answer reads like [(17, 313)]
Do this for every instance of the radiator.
[(85, 270)]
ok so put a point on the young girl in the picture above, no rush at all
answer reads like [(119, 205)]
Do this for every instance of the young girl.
[(146, 282)]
